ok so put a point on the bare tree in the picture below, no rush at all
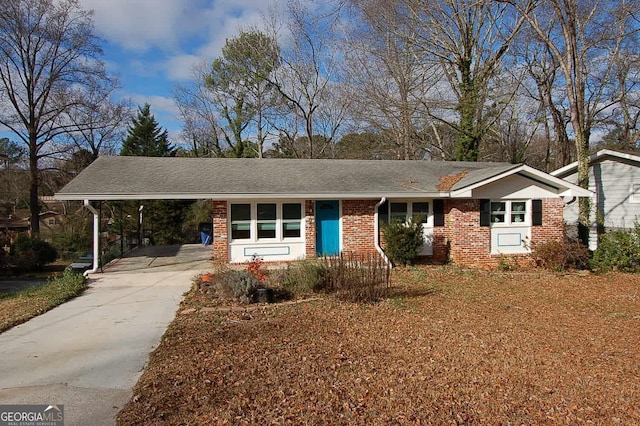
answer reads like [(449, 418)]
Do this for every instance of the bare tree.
[(197, 106), (48, 52), (98, 124), (468, 39), (390, 78), (307, 79), (582, 37)]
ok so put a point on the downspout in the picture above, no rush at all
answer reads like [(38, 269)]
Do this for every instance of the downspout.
[(376, 232), (96, 238)]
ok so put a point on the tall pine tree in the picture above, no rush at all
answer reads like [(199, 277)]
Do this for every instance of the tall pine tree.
[(162, 218), (145, 137)]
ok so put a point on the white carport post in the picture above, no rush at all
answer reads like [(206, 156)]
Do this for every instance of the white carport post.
[(96, 237)]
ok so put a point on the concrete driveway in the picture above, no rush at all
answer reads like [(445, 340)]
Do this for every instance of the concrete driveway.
[(89, 352)]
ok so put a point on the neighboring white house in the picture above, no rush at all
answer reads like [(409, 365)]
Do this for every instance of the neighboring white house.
[(614, 177)]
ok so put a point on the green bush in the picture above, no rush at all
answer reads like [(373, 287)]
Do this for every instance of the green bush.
[(562, 255), (32, 253), (67, 286), (403, 241), (618, 251), (304, 277), (239, 285)]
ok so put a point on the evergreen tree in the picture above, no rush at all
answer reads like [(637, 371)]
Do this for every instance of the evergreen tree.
[(145, 137), (162, 218)]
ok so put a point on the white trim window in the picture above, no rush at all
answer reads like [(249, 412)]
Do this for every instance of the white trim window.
[(399, 211), (634, 193), (266, 221), (510, 213)]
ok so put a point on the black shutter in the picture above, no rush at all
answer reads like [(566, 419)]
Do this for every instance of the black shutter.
[(536, 207), (438, 212), (485, 212)]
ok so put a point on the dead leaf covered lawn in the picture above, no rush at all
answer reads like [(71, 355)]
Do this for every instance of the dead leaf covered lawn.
[(450, 346)]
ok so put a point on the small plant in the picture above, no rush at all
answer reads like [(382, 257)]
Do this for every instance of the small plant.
[(403, 240), (618, 251), (562, 255), (239, 285), (255, 268), (507, 263)]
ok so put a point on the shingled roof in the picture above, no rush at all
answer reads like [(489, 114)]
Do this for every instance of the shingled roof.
[(113, 178)]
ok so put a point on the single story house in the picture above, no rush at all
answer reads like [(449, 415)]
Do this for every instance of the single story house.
[(614, 177), (286, 209)]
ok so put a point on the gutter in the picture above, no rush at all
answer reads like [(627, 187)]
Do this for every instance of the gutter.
[(376, 233), (96, 227)]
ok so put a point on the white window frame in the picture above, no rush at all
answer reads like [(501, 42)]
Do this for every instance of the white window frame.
[(634, 193), (427, 221), (279, 222), (509, 212)]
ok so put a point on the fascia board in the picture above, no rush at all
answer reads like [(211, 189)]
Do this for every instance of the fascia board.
[(236, 196), (564, 188), (571, 168)]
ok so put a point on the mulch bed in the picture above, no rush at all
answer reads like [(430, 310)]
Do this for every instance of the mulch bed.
[(450, 346)]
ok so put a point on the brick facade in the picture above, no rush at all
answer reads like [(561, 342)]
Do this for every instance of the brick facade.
[(462, 240), (552, 228), (358, 230), (467, 241), (310, 227), (220, 232)]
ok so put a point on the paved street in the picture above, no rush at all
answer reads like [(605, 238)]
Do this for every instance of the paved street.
[(89, 352)]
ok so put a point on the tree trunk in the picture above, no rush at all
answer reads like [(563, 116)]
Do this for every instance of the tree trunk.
[(34, 203)]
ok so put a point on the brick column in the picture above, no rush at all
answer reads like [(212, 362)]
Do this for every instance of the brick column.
[(552, 228), (358, 226), (469, 243), (220, 232), (310, 228)]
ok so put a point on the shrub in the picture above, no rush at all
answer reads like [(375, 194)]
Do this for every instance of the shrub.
[(507, 263), (352, 277), (303, 277), (618, 251), (562, 255), (403, 240), (32, 253), (239, 285)]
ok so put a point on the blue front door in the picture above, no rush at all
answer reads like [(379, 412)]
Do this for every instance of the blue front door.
[(327, 227)]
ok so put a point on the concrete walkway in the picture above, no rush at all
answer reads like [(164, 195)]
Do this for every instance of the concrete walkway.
[(89, 352)]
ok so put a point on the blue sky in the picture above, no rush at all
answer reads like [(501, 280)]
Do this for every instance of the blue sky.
[(153, 44)]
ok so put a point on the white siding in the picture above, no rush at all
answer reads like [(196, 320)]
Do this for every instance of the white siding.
[(514, 187), (611, 181)]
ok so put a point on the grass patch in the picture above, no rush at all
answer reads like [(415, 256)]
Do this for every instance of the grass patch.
[(20, 306)]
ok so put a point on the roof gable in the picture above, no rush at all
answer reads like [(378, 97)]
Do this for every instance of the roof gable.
[(602, 155)]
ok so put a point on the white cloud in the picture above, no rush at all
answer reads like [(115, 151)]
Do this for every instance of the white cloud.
[(180, 67), (160, 105), (141, 25)]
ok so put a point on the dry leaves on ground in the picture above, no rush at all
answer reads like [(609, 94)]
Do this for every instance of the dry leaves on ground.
[(450, 346)]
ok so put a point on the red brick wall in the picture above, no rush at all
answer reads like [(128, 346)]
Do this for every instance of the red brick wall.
[(220, 232), (469, 243), (552, 228), (310, 227), (358, 230)]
